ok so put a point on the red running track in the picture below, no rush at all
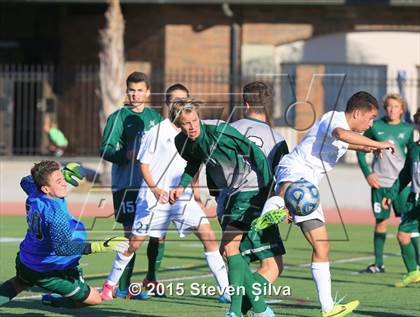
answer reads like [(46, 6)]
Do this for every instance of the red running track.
[(348, 215)]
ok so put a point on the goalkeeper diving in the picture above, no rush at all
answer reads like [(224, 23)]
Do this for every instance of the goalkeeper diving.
[(49, 255)]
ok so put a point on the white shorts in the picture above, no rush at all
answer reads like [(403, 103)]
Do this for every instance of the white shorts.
[(289, 172), (186, 217)]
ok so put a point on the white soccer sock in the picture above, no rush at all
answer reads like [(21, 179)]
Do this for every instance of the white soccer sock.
[(120, 262), (322, 277), (218, 268)]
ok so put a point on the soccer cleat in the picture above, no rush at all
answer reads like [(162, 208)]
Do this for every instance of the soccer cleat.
[(125, 294), (48, 299), (108, 292), (267, 313), (224, 299), (154, 288), (342, 309), (409, 278), (373, 268), (270, 218)]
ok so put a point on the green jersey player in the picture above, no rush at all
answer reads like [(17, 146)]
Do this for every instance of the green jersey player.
[(120, 142), (241, 172), (411, 216), (385, 171), (258, 99)]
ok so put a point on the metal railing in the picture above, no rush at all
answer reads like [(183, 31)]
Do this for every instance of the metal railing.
[(69, 96)]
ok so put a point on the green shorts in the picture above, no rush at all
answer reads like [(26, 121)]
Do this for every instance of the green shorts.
[(125, 206), (399, 204), (410, 219), (262, 245), (240, 209), (68, 283)]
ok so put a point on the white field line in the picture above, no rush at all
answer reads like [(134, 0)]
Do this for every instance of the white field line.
[(193, 277)]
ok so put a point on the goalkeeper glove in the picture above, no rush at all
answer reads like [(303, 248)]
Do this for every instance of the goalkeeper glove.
[(72, 171), (119, 244)]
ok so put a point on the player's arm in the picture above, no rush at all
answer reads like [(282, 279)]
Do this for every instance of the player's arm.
[(196, 189), (146, 156), (191, 169), (277, 153), (356, 139), (61, 236), (160, 194), (111, 148), (28, 185)]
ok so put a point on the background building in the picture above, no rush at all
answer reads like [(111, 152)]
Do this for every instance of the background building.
[(49, 59)]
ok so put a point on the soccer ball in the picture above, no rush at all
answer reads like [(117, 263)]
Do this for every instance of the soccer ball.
[(301, 197)]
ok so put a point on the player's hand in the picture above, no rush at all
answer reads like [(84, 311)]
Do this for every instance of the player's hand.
[(73, 172), (373, 181), (175, 193), (119, 244), (387, 145), (161, 195), (386, 203)]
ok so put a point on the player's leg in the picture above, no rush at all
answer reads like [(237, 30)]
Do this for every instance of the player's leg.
[(379, 236), (316, 234), (69, 288), (11, 288), (118, 266), (139, 233), (125, 208), (409, 223), (231, 239), (157, 227), (401, 205), (239, 213), (214, 259), (155, 253)]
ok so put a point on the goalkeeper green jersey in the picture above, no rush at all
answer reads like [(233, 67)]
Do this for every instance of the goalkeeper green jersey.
[(389, 166), (123, 132), (234, 163)]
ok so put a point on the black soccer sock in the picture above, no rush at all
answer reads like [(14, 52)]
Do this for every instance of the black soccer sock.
[(7, 292)]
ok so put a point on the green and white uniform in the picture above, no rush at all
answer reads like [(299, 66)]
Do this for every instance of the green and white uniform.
[(123, 131), (274, 147), (389, 166), (269, 141), (237, 166), (410, 173)]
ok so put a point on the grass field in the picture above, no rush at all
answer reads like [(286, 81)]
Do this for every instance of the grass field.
[(184, 263)]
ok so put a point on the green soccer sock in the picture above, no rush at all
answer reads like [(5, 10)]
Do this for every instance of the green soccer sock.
[(415, 243), (379, 243), (236, 280), (257, 301), (7, 292), (409, 257), (125, 279), (155, 252)]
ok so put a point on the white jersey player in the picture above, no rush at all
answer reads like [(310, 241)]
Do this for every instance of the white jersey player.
[(316, 154), (162, 167)]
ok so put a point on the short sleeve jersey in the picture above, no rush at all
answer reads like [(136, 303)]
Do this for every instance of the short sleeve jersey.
[(123, 132), (166, 165), (319, 150)]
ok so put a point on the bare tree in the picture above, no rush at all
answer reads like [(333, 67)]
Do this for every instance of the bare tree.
[(112, 68)]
